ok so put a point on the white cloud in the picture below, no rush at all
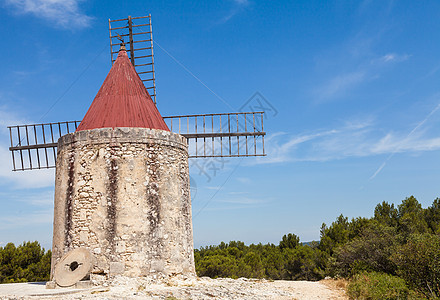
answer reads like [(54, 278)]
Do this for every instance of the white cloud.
[(432, 144), (63, 13), (238, 193), (236, 202), (357, 139), (340, 84), (242, 2), (244, 180), (26, 220), (392, 57), (238, 6), (8, 118), (346, 66), (243, 200), (280, 146), (44, 198), (215, 188), (23, 179)]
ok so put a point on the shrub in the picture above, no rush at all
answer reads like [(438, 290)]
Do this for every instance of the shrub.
[(375, 285), (418, 263), (217, 266), (370, 251), (304, 263)]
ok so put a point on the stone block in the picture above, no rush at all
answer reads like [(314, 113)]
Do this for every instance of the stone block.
[(51, 285), (116, 268)]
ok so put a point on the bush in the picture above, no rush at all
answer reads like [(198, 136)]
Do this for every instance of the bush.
[(375, 285), (418, 262), (304, 263), (370, 251)]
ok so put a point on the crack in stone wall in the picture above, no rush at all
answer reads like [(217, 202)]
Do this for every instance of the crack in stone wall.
[(69, 199)]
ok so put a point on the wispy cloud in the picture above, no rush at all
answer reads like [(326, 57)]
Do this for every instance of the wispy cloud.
[(358, 139), (60, 13), (281, 146), (244, 180), (25, 220), (42, 198), (25, 179), (242, 200), (238, 193), (347, 66), (432, 144), (237, 7), (238, 201), (340, 84), (393, 57), (215, 188)]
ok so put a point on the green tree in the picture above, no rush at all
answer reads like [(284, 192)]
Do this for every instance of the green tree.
[(432, 216), (27, 262), (290, 241), (335, 235), (253, 261), (411, 217), (386, 214), (274, 263)]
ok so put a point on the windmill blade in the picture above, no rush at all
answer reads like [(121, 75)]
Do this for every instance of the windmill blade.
[(139, 33), (34, 146), (238, 134), (120, 38)]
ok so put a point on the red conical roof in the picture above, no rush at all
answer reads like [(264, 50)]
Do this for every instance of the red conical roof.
[(122, 101)]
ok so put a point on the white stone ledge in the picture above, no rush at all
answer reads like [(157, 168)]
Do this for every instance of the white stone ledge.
[(123, 135)]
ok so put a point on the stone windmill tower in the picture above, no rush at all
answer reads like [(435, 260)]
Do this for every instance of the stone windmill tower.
[(122, 198)]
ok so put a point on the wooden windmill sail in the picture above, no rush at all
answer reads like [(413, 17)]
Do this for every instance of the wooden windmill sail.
[(237, 134)]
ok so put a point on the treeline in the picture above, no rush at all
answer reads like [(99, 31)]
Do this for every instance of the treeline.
[(290, 260), (27, 262), (394, 255)]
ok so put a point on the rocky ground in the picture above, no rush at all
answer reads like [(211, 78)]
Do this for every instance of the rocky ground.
[(202, 288)]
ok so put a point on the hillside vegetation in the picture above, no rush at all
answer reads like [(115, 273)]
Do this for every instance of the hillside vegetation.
[(393, 255)]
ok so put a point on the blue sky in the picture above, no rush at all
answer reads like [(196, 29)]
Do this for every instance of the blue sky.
[(354, 87)]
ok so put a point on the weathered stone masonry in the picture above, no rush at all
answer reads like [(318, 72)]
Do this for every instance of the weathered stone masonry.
[(123, 194)]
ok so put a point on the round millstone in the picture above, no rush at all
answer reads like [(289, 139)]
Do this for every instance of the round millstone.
[(74, 266)]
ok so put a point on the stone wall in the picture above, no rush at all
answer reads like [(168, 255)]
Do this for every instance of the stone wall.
[(123, 194)]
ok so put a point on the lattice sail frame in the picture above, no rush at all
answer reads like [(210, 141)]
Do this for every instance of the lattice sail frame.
[(139, 47), (209, 135)]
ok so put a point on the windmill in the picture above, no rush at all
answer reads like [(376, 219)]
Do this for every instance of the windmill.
[(118, 170), (236, 134)]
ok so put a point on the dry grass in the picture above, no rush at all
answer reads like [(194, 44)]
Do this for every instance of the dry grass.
[(339, 285)]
